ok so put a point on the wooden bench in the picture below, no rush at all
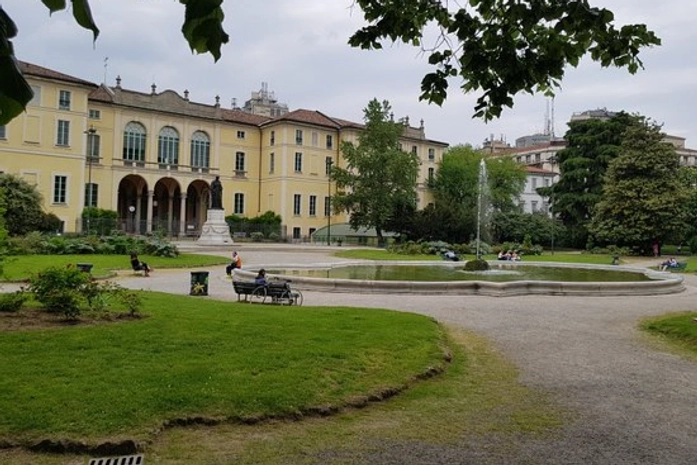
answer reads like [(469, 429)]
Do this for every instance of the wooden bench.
[(273, 293), (245, 289), (679, 267)]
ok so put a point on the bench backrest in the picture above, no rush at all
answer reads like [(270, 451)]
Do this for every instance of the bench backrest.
[(242, 287)]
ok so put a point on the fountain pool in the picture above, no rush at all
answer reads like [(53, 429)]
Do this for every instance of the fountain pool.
[(501, 280)]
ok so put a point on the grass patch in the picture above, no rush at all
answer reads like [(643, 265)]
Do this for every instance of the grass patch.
[(678, 331), (478, 402), (477, 407), (20, 267), (381, 254), (223, 361)]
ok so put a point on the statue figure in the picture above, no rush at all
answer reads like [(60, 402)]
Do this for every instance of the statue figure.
[(217, 194)]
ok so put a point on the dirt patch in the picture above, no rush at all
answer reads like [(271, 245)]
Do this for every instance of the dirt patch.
[(29, 319)]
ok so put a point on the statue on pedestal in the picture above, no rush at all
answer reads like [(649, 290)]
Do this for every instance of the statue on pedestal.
[(217, 194)]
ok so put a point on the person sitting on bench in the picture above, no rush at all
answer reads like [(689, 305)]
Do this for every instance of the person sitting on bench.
[(670, 263), (236, 263), (261, 278), (137, 265)]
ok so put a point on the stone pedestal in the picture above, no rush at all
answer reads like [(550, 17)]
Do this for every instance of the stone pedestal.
[(215, 230)]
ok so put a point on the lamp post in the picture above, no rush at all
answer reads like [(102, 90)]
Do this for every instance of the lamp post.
[(90, 152), (132, 209), (330, 162)]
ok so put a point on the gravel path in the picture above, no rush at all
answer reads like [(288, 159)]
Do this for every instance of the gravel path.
[(635, 404)]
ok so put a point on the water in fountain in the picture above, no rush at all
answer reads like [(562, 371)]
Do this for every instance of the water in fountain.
[(483, 207)]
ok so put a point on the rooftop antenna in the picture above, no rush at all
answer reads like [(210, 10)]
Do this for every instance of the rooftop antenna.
[(552, 122)]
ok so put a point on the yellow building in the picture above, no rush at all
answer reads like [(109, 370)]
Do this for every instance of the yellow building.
[(152, 156)]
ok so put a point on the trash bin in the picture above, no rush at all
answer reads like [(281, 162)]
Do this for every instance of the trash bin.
[(616, 259), (199, 283), (85, 267)]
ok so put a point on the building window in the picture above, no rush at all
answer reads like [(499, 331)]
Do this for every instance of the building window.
[(313, 205), (273, 137), (60, 186), (3, 132), (36, 99), (95, 114), (533, 181), (414, 150), (533, 205), (93, 141), (200, 150), (240, 134), (272, 162), (91, 194), (63, 134), (546, 181), (431, 173), (168, 146), (328, 162), (315, 139), (431, 154), (296, 233), (330, 142), (297, 202), (64, 100), (239, 204), (134, 142), (298, 137), (298, 162), (239, 162), (327, 206)]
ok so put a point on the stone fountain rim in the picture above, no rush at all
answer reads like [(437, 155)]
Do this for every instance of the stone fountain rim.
[(661, 282)]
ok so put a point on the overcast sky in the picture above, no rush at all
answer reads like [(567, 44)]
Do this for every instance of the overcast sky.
[(300, 49)]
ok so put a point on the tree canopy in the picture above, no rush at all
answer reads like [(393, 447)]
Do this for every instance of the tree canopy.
[(643, 197), (592, 144), (498, 48), (379, 176), (456, 188)]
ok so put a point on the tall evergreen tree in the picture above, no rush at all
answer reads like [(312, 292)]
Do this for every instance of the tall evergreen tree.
[(592, 144), (643, 198), (379, 176)]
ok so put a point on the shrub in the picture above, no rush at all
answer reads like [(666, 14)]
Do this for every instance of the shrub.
[(69, 291), (161, 248), (257, 236), (484, 248), (274, 236), (59, 290), (13, 301), (693, 246), (476, 265)]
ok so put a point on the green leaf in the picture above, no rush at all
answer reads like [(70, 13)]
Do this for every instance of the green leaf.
[(15, 92), (203, 26), (54, 5), (83, 16), (8, 29)]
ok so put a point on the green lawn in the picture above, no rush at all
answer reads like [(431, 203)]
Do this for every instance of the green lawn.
[(566, 257), (20, 267), (677, 330), (203, 358)]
